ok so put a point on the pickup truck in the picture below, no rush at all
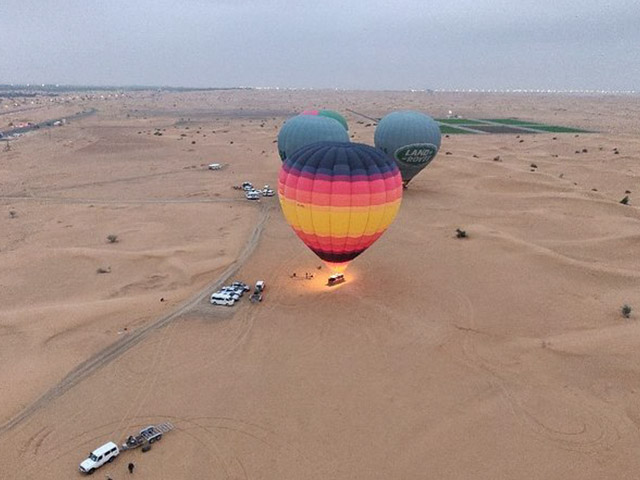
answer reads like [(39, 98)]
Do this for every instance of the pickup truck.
[(257, 294)]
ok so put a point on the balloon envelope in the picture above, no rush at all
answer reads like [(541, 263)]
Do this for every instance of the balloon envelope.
[(303, 130), (330, 114), (411, 138), (339, 198)]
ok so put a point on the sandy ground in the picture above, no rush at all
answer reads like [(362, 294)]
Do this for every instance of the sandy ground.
[(502, 355)]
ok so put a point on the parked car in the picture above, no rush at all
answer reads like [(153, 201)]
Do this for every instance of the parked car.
[(220, 298), (260, 285), (101, 455), (231, 293), (235, 293), (335, 279), (247, 186), (215, 166), (253, 195), (267, 192), (243, 285), (256, 296)]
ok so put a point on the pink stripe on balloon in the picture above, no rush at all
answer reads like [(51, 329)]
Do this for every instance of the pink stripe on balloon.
[(334, 200)]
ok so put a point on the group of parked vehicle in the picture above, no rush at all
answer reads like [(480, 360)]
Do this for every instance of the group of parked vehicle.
[(254, 194), (230, 294)]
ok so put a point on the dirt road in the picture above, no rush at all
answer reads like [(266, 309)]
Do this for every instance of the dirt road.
[(113, 351)]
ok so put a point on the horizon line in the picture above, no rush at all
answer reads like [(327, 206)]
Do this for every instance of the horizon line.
[(73, 87)]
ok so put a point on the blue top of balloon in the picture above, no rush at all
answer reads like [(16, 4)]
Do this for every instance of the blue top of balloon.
[(407, 127), (411, 138), (303, 130)]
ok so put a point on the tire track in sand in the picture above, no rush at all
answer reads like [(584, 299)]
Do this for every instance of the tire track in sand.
[(116, 349), (565, 415)]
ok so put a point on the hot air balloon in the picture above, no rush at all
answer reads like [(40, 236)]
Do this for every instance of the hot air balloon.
[(412, 139), (339, 198), (303, 130), (330, 114)]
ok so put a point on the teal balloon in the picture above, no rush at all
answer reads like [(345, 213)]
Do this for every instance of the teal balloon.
[(303, 130), (328, 113), (411, 138)]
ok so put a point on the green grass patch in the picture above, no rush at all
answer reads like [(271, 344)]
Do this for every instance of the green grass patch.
[(556, 129), (445, 129), (511, 121), (458, 121), (500, 125)]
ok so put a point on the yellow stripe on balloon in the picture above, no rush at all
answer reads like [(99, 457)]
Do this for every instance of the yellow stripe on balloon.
[(339, 221)]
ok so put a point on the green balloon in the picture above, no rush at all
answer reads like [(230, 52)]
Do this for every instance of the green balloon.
[(330, 114)]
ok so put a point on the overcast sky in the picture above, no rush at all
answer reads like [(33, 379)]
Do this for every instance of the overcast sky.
[(361, 44)]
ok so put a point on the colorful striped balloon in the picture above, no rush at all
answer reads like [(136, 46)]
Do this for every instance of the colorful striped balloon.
[(339, 198)]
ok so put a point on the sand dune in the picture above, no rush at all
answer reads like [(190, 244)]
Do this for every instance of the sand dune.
[(502, 355)]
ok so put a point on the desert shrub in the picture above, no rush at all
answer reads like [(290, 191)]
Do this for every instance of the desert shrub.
[(626, 311), (112, 238), (104, 270)]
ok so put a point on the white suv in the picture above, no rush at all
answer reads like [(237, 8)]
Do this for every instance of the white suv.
[(101, 455), (231, 292), (220, 298), (252, 195)]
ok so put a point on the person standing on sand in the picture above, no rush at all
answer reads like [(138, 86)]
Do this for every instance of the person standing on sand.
[(131, 467)]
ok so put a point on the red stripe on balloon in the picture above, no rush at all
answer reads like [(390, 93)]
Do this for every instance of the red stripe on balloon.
[(345, 178), (338, 244)]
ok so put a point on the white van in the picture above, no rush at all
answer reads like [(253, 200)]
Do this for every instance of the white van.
[(220, 298), (101, 455)]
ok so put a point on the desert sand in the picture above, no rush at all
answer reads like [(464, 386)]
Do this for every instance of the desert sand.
[(501, 355)]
